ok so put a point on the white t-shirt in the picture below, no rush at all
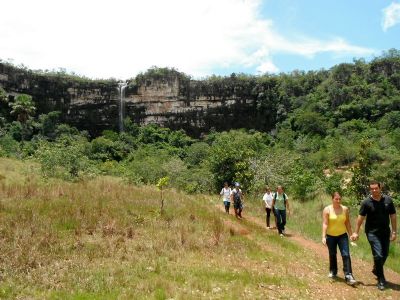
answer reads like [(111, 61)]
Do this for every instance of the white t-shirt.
[(268, 199), (226, 192)]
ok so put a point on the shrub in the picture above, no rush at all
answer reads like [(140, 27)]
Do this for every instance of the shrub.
[(8, 146), (66, 158), (230, 155), (304, 183), (333, 183)]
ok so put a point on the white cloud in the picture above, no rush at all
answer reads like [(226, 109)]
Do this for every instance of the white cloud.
[(119, 38), (267, 67), (391, 16)]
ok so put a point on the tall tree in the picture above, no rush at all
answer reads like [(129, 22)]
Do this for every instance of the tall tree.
[(23, 107)]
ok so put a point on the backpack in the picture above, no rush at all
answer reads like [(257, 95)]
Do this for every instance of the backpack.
[(236, 196), (284, 197)]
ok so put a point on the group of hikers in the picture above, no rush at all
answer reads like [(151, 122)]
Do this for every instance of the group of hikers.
[(277, 203), (377, 210)]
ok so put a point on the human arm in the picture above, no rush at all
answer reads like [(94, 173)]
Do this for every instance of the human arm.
[(359, 222), (393, 221), (264, 201), (325, 220), (348, 223), (287, 206)]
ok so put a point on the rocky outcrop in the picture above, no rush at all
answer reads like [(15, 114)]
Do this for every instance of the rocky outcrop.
[(171, 100)]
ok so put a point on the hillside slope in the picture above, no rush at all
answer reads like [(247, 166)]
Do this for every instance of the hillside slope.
[(104, 239)]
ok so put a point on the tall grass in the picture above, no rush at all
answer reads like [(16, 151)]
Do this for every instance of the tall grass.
[(104, 239)]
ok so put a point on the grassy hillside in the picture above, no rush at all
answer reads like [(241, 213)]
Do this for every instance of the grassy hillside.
[(104, 239)]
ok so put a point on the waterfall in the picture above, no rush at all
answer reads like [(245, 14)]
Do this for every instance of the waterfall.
[(121, 90)]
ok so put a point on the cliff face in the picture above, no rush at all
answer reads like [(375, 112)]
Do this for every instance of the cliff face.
[(171, 100)]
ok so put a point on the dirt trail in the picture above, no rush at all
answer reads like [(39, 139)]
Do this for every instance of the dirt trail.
[(324, 287)]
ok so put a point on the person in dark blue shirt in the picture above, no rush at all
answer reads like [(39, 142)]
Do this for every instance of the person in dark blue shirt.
[(379, 212)]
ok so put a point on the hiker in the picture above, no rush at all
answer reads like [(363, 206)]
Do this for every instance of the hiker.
[(336, 229), (280, 203), (226, 196), (237, 199), (379, 211), (267, 198)]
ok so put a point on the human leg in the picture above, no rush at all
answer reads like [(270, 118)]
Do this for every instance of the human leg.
[(236, 209), (343, 243), (227, 205), (268, 216), (278, 220), (332, 242), (283, 214), (379, 248)]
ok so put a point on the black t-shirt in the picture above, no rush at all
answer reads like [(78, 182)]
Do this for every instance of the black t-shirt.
[(377, 213)]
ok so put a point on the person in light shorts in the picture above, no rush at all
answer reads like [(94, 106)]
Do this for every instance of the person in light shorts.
[(226, 196)]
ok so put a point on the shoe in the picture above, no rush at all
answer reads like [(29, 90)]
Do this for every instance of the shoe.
[(332, 275), (268, 227), (281, 235), (350, 280), (381, 285)]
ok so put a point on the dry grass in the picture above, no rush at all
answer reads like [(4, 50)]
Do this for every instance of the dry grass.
[(104, 239)]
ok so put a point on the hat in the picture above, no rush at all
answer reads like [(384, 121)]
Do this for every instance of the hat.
[(237, 184)]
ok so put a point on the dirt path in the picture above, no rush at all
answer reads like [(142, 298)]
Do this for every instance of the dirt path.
[(317, 276)]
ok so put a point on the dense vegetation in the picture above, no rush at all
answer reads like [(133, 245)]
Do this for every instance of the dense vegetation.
[(324, 124)]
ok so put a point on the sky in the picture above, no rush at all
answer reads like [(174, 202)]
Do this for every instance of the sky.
[(121, 38)]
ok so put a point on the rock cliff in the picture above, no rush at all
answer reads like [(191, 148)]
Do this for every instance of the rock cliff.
[(171, 99)]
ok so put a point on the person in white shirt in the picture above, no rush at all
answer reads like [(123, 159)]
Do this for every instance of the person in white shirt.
[(268, 198), (226, 196)]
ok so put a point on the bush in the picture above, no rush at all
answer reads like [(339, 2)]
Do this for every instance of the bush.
[(196, 153), (333, 183), (230, 155), (9, 147), (273, 169), (147, 164), (65, 158), (304, 184), (104, 149)]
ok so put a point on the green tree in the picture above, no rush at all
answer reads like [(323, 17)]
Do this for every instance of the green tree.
[(361, 171), (23, 107), (230, 155), (48, 123), (304, 183), (311, 122)]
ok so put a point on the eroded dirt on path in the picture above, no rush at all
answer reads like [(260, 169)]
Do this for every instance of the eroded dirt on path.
[(312, 267)]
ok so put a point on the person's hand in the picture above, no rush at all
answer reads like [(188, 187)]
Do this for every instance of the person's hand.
[(354, 236), (324, 241), (393, 236)]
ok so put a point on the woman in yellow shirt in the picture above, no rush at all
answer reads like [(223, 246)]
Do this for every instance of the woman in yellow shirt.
[(336, 229)]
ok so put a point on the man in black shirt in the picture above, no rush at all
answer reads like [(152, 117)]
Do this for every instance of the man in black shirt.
[(378, 209)]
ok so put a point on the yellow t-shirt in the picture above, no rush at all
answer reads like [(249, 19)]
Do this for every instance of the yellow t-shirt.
[(336, 223)]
